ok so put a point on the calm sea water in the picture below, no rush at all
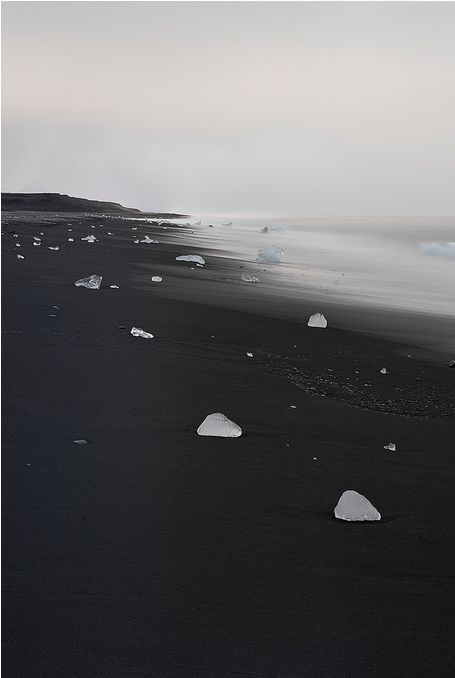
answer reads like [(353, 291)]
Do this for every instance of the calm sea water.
[(386, 262)]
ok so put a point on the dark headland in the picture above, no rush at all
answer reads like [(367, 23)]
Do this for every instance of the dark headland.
[(57, 202), (151, 552)]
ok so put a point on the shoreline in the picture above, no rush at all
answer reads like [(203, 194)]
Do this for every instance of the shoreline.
[(153, 551)]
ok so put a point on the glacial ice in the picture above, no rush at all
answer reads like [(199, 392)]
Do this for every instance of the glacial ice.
[(81, 441), (270, 255), (194, 258), (19, 256), (114, 287), (390, 446), (383, 371), (353, 506), (157, 278), (250, 355), (54, 248), (138, 332), (219, 425), (149, 240), (93, 282), (317, 320), (90, 238)]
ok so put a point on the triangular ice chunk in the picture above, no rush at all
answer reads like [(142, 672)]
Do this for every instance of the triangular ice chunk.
[(317, 320), (93, 282), (353, 506), (218, 424), (270, 255)]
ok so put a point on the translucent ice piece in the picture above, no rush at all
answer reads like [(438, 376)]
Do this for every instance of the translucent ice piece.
[(90, 238), (317, 320), (80, 442), (270, 255), (195, 258), (138, 332), (390, 446), (353, 506), (383, 371), (93, 282), (218, 424), (157, 278)]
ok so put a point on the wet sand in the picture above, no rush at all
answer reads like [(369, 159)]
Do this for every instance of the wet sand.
[(151, 551)]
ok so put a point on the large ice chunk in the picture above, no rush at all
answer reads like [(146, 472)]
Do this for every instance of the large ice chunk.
[(353, 506), (317, 320), (194, 258), (93, 282), (270, 255), (218, 424), (138, 332)]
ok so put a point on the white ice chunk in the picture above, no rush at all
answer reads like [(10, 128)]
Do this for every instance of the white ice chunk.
[(114, 287), (194, 258), (37, 244), (383, 371), (90, 238), (80, 442), (93, 282), (36, 239), (317, 320), (54, 248), (136, 242), (451, 363), (250, 355), (218, 424), (270, 255), (70, 239), (354, 506), (390, 446), (149, 240), (109, 233), (157, 278), (249, 278), (19, 256), (17, 244), (138, 332)]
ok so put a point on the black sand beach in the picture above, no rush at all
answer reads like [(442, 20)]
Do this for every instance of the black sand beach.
[(153, 552)]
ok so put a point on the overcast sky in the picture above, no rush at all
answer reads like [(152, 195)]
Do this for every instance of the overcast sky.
[(261, 108)]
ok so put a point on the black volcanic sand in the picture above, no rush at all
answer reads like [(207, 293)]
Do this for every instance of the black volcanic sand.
[(152, 552)]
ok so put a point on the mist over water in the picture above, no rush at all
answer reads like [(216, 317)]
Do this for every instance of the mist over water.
[(373, 262)]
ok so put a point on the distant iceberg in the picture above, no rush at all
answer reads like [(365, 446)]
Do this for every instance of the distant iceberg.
[(438, 249)]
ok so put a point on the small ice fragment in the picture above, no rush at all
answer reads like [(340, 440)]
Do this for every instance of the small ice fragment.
[(17, 244), (228, 223), (19, 256), (70, 239), (93, 282), (53, 248), (157, 278), (16, 235), (195, 258), (452, 363), (136, 241), (90, 238), (353, 506), (149, 240), (250, 355), (293, 406), (317, 320), (314, 458), (134, 228), (36, 238), (80, 442), (218, 424), (249, 278), (57, 307), (390, 446), (51, 315), (138, 332), (37, 244), (114, 287), (383, 371), (109, 233), (270, 255)]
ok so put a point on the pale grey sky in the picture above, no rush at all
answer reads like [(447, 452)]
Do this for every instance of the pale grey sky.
[(281, 108)]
